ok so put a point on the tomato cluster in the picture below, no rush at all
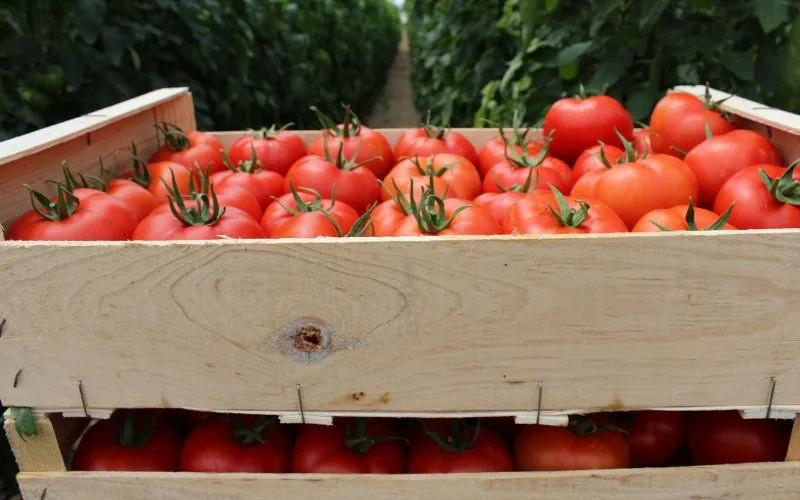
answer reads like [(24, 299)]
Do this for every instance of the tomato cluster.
[(177, 440), (692, 169)]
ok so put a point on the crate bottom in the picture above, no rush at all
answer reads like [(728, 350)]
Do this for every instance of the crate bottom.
[(746, 481)]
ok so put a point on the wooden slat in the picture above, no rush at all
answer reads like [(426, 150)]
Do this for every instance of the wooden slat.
[(793, 453), (423, 324), (39, 453), (776, 481)]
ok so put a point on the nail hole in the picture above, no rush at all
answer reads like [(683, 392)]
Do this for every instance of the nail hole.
[(308, 338), (305, 340)]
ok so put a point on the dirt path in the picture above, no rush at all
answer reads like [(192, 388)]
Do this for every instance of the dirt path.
[(395, 108)]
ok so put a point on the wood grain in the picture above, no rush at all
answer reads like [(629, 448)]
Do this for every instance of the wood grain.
[(39, 453), (776, 481), (793, 453), (421, 324)]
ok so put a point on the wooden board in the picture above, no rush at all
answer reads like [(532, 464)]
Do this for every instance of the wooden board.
[(634, 321), (776, 481), (39, 453)]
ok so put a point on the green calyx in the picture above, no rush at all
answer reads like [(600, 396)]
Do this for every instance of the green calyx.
[(269, 133), (351, 125), (141, 174), (565, 215), (462, 437), (131, 437), (359, 441), (249, 435), (784, 188), (690, 222), (631, 156), (525, 187), (206, 211), (711, 104), (524, 160), (429, 211), (519, 135), (340, 161), (433, 131), (174, 137), (64, 205), (361, 226), (583, 425), (428, 169), (252, 166)]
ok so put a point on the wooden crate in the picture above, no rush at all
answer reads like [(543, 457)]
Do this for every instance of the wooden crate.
[(408, 327)]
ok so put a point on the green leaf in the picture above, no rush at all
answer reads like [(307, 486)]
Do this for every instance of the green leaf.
[(568, 71), (652, 10), (23, 421), (571, 53), (771, 13), (89, 18), (610, 70), (640, 102), (550, 5), (740, 64)]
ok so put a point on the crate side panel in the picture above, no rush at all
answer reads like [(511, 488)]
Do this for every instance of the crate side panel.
[(776, 481), (428, 325), (39, 453)]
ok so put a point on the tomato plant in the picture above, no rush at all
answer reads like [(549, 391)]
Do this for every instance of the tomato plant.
[(583, 445), (654, 437), (305, 215), (717, 159), (129, 441), (271, 149), (429, 140), (360, 447), (496, 150), (763, 197), (683, 218), (263, 184), (578, 123), (462, 448), (359, 144), (450, 174), (514, 170), (543, 212), (724, 437), (192, 150), (238, 444)]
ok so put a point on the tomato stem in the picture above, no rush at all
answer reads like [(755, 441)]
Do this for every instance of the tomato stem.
[(247, 436), (174, 137), (358, 441), (65, 204), (690, 219), (459, 438), (784, 188), (131, 437), (565, 215), (351, 125), (433, 131), (252, 166), (269, 133), (430, 212), (207, 210), (141, 174)]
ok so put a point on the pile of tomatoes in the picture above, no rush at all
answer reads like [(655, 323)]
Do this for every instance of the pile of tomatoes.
[(176, 440), (691, 169)]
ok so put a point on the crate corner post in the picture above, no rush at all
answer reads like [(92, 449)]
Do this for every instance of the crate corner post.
[(38, 453)]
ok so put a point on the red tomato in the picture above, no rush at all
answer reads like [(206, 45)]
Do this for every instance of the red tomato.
[(496, 150), (635, 188), (135, 197), (598, 157), (498, 204), (446, 217), (193, 149), (462, 448), (581, 446), (643, 141), (129, 441), (387, 216), (360, 447), (516, 170), (162, 172), (460, 177), (682, 218), (764, 197), (715, 160), (264, 185), (577, 124), (428, 140), (360, 144), (237, 445), (724, 437), (81, 214), (228, 195), (654, 437), (543, 212), (307, 215), (679, 123), (273, 150)]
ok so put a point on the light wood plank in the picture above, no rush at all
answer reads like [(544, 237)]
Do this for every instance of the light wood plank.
[(775, 481), (635, 321), (793, 453), (39, 453)]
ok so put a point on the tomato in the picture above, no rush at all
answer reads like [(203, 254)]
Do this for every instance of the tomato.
[(543, 212), (580, 446), (263, 184), (129, 441), (679, 123), (654, 437), (460, 177), (273, 150), (237, 445), (360, 447), (578, 123), (360, 144), (715, 160), (160, 177), (338, 179), (307, 215), (497, 149), (724, 437), (498, 204), (464, 448), (598, 157), (764, 196), (514, 171), (82, 214), (634, 188), (429, 140), (435, 216), (643, 141), (387, 216), (192, 150), (683, 218), (228, 195)]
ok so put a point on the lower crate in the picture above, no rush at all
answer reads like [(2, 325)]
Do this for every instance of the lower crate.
[(775, 481)]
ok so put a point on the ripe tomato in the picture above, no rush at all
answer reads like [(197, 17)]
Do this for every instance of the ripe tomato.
[(598, 157), (683, 218), (764, 196), (543, 212), (360, 447), (307, 215), (238, 444), (81, 214), (581, 446), (228, 195), (654, 437), (498, 204), (578, 123), (263, 184), (461, 178), (724, 437), (679, 123), (360, 144), (516, 170), (129, 441), (497, 149), (193, 149), (273, 150), (429, 140), (715, 160), (387, 216), (462, 448), (160, 178), (434, 216), (643, 141)]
